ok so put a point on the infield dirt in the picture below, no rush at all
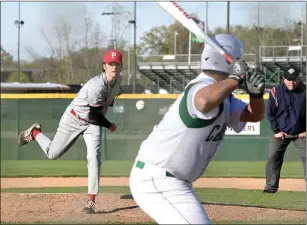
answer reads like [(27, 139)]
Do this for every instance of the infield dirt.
[(61, 208)]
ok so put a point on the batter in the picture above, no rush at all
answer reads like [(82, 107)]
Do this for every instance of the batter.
[(180, 147), (85, 116)]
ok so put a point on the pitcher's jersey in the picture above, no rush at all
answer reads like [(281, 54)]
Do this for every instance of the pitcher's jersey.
[(95, 92), (186, 139)]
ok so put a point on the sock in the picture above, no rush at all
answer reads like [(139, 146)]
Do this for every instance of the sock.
[(92, 197), (34, 133)]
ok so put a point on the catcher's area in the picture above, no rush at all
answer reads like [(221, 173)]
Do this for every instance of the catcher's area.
[(61, 208)]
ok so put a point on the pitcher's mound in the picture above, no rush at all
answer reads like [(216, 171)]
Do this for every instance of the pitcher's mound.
[(67, 208)]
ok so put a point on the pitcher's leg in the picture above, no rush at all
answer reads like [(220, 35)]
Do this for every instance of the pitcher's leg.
[(92, 138), (67, 133), (300, 144), (60, 144), (167, 200), (274, 163)]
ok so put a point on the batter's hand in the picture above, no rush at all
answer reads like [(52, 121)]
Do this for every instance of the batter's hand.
[(255, 83), (112, 128), (280, 135), (238, 69), (302, 135)]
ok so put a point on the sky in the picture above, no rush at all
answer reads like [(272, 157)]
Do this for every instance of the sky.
[(42, 15)]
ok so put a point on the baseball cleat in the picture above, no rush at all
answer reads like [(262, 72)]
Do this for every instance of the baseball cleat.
[(269, 191), (90, 207), (26, 135)]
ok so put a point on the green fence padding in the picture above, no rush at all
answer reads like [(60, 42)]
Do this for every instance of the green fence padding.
[(133, 127)]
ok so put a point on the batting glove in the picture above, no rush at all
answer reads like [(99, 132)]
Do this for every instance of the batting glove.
[(255, 83), (238, 69)]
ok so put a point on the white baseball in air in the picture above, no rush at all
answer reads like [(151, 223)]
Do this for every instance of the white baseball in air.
[(140, 104)]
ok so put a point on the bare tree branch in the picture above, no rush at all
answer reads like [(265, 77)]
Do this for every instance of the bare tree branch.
[(53, 52), (119, 21)]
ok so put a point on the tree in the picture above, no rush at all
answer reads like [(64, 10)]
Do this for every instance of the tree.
[(275, 25), (120, 25), (6, 59), (156, 41), (24, 78), (161, 40), (75, 51)]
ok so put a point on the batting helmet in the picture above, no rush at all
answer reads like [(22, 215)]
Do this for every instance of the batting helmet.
[(212, 60)]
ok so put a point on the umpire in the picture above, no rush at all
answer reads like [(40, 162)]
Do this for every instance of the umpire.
[(286, 112)]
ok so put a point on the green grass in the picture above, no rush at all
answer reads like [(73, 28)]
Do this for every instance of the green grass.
[(280, 200), (78, 168), (106, 189), (60, 168)]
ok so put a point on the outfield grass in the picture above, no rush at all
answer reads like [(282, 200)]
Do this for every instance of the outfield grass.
[(280, 200), (78, 168)]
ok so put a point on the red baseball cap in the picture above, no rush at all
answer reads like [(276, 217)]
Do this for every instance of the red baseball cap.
[(113, 56)]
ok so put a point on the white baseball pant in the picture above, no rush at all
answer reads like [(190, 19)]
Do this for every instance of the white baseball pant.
[(167, 200)]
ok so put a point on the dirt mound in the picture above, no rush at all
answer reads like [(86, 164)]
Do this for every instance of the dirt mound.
[(66, 208), (61, 208)]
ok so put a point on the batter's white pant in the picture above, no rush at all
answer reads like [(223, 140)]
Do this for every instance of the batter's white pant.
[(167, 200), (70, 128)]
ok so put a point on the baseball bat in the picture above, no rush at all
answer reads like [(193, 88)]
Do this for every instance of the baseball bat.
[(186, 20), (291, 136)]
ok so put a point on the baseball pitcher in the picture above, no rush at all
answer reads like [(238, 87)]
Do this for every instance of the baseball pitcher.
[(180, 147), (84, 116)]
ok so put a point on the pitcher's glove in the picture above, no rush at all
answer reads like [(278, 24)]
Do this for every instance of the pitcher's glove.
[(254, 82)]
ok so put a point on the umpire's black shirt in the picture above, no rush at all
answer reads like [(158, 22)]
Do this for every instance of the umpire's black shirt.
[(286, 110)]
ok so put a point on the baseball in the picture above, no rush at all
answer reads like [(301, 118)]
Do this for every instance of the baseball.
[(140, 104)]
